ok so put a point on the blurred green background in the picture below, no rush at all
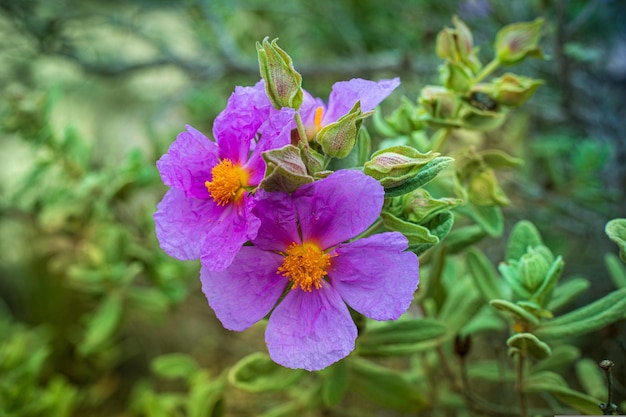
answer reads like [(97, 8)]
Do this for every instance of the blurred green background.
[(94, 92)]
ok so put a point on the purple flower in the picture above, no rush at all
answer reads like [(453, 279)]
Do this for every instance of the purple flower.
[(302, 251), (344, 95), (207, 213)]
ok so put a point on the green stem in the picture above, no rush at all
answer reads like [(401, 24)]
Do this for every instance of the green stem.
[(520, 387), (371, 230), (491, 67), (301, 131), (442, 137)]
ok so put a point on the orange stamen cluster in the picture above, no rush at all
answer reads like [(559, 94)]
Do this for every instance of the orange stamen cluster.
[(305, 265), (319, 113), (228, 182)]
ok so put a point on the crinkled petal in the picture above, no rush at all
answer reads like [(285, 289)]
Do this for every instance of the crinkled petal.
[(182, 224), (279, 227), (346, 93), (237, 124), (310, 330), (275, 133), (234, 226), (246, 291), (338, 207), (375, 276), (188, 163)]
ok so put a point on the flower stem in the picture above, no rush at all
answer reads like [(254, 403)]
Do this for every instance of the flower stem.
[(520, 387), (491, 67), (609, 407), (301, 131)]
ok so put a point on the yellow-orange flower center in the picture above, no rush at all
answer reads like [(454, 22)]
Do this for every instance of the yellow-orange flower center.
[(319, 113), (228, 182), (305, 265)]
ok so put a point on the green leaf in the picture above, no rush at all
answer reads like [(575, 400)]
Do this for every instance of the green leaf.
[(550, 280), (497, 159), (616, 230), (258, 373), (490, 370), (586, 319), (515, 311), (547, 381), (562, 356), (529, 344), (616, 269), (174, 365), (523, 235), (386, 387), (425, 175), (439, 226), (489, 218), (591, 378), (102, 324), (206, 396), (463, 237), (461, 305), (566, 292), (335, 383), (401, 337), (484, 274), (415, 233)]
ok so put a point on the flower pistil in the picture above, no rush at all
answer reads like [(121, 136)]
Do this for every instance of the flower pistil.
[(305, 265), (228, 182)]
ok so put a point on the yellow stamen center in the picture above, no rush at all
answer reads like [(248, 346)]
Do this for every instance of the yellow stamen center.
[(305, 265), (319, 113), (228, 182)]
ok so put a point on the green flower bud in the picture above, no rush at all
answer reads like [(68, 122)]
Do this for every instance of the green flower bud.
[(533, 267), (455, 77), (455, 44), (338, 138), (283, 83), (285, 171), (484, 189), (517, 41), (419, 205), (440, 105), (393, 166), (513, 90), (476, 119)]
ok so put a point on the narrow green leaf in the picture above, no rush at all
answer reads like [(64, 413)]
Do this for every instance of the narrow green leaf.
[(616, 230), (489, 218), (335, 383), (401, 337), (591, 378), (529, 344), (547, 381), (523, 235), (566, 292), (206, 396), (461, 305), (562, 356), (439, 226), (550, 280), (385, 387), (586, 319), (102, 324), (616, 269), (484, 274), (174, 365), (415, 233), (463, 237), (490, 370), (514, 311), (424, 176), (258, 373)]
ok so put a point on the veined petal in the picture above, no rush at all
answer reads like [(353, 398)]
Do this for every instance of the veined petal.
[(235, 127), (188, 163), (247, 290), (275, 133), (233, 227), (346, 93), (310, 330), (338, 207), (182, 224), (279, 227), (375, 276)]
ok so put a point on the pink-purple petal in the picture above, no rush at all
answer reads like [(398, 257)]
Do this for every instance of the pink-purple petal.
[(234, 226), (246, 291), (188, 163), (345, 94), (236, 126), (182, 224), (338, 207), (375, 275), (279, 227), (310, 330)]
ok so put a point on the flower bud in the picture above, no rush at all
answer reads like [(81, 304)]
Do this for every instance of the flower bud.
[(338, 138), (517, 41), (455, 44), (284, 170), (395, 165), (455, 77), (533, 267), (419, 205), (484, 189), (513, 90), (283, 83), (440, 105)]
